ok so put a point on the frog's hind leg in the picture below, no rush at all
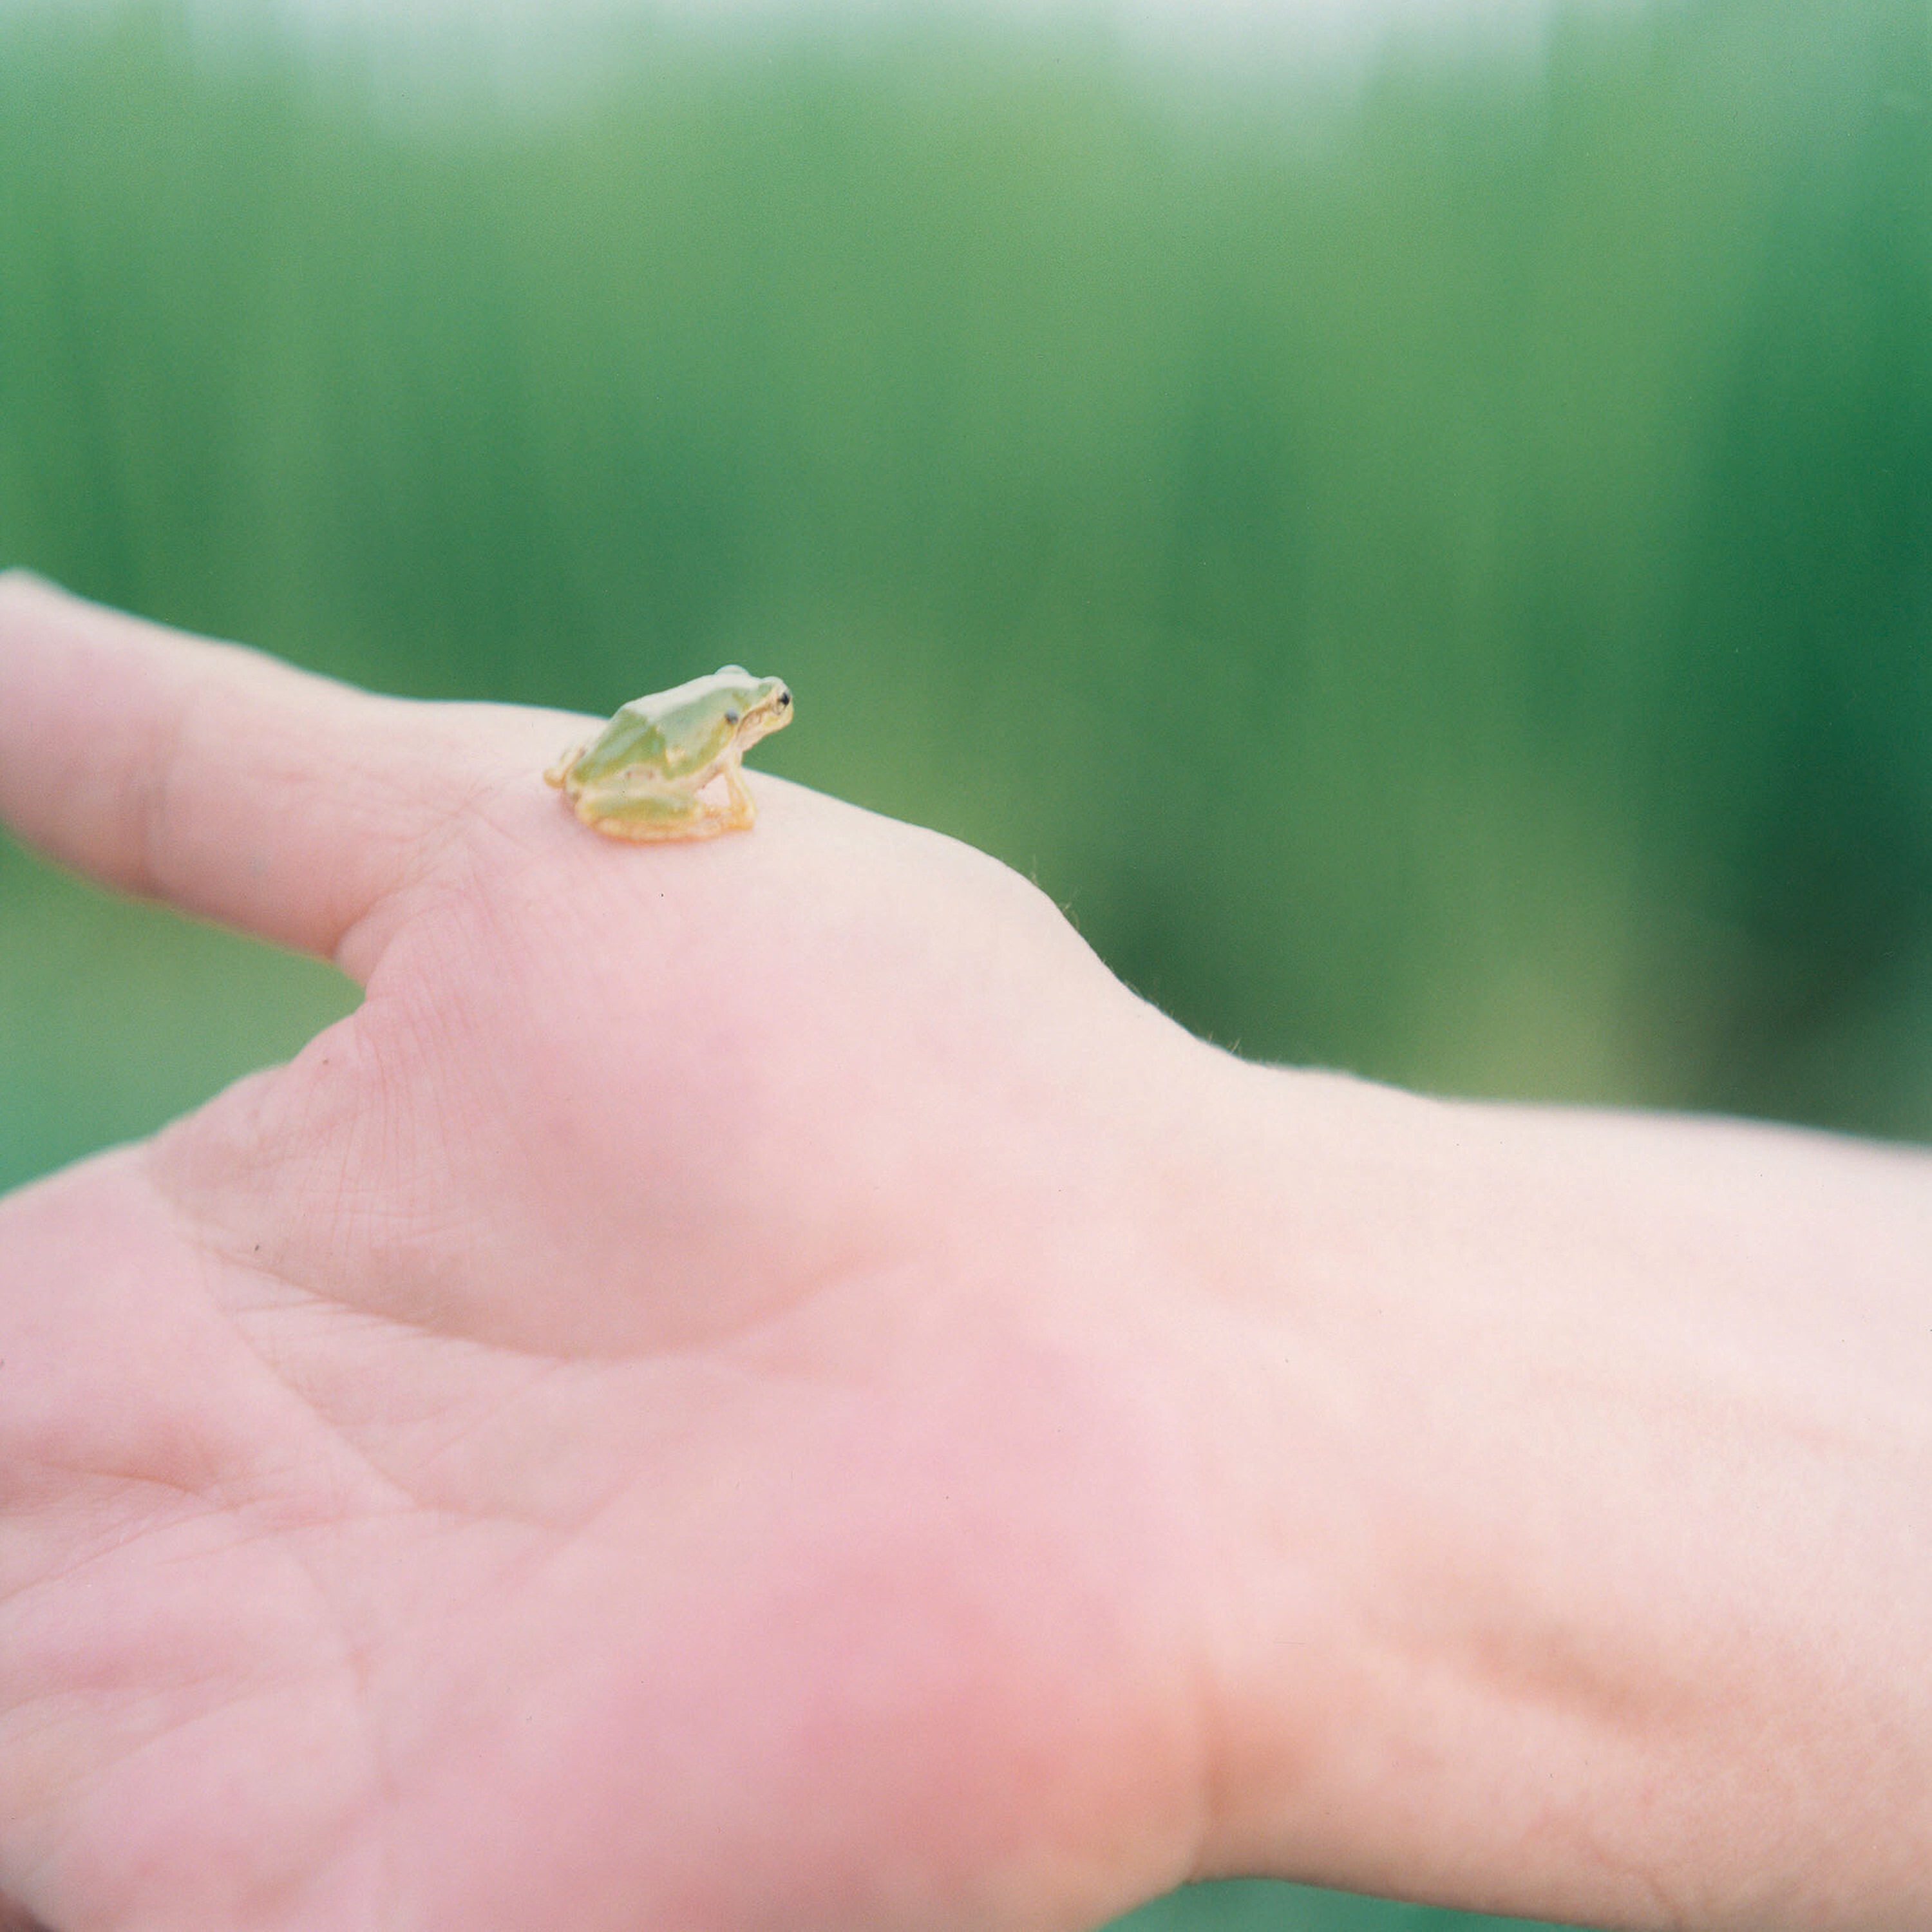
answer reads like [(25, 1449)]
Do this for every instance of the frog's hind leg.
[(642, 816), (647, 816)]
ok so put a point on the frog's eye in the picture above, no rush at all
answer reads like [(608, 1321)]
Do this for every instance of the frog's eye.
[(730, 714)]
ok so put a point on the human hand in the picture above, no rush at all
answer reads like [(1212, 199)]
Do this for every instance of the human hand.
[(657, 1418), (754, 1384)]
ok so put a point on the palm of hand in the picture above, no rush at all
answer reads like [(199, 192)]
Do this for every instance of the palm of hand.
[(601, 1438)]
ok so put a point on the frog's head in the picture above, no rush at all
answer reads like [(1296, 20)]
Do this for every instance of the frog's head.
[(752, 708), (719, 716)]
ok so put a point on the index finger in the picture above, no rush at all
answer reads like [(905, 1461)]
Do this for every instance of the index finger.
[(227, 783)]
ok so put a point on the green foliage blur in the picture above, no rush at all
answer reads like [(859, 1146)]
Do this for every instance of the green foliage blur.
[(1436, 574), (1437, 580)]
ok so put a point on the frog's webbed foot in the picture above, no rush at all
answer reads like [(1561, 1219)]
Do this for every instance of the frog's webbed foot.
[(559, 774)]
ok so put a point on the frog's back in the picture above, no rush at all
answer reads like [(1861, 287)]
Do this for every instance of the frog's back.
[(634, 737)]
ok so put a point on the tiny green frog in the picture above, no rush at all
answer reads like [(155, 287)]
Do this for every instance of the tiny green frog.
[(644, 775)]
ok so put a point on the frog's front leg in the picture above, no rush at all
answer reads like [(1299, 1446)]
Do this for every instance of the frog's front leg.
[(740, 811)]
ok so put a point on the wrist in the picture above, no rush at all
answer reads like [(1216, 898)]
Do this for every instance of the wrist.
[(1567, 1506)]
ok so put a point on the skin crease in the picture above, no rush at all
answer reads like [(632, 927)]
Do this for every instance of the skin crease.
[(754, 1384)]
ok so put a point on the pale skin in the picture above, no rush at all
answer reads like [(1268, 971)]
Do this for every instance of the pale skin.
[(752, 1384)]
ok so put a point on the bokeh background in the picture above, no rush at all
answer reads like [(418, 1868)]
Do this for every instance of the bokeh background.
[(1425, 552)]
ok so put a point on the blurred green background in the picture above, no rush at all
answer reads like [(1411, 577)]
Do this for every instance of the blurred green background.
[(1433, 567)]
